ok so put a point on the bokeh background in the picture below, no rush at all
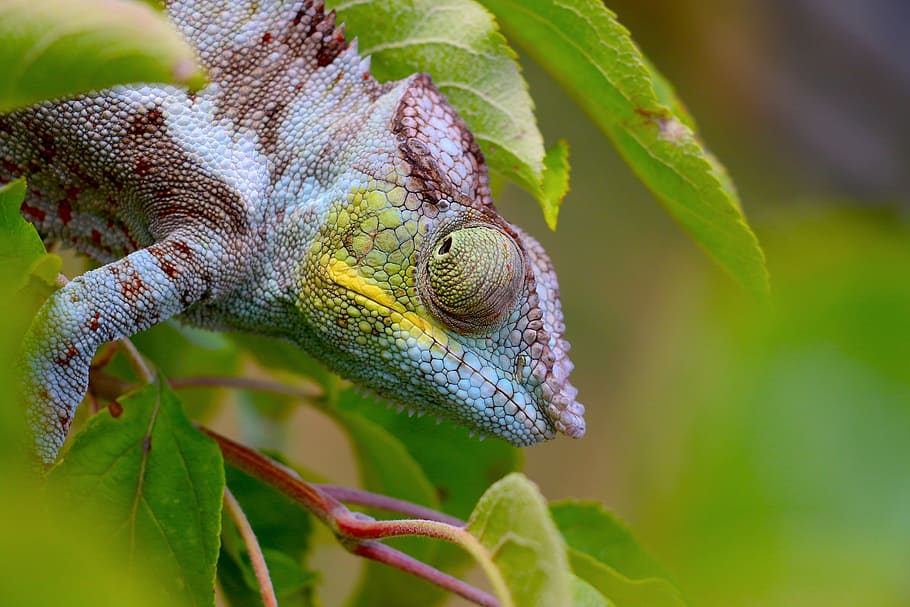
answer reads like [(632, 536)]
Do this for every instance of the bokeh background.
[(761, 451)]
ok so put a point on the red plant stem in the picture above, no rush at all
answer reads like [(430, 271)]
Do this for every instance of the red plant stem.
[(257, 559), (394, 558), (390, 504), (353, 531), (323, 506)]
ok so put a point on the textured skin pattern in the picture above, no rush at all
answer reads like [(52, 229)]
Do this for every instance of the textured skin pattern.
[(297, 197)]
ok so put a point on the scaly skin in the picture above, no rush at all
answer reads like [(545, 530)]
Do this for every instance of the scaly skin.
[(296, 197)]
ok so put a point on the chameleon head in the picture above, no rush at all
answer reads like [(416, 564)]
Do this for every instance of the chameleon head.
[(418, 289)]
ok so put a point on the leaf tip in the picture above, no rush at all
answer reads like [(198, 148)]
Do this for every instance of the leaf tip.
[(554, 182)]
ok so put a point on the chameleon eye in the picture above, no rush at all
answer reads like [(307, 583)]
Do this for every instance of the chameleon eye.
[(472, 278)]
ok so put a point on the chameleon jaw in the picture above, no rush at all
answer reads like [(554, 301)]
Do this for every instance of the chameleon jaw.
[(465, 387)]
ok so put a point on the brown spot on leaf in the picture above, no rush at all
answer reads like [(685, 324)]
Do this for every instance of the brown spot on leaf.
[(115, 409)]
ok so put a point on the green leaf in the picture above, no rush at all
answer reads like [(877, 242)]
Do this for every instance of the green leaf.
[(555, 181), (22, 254), (604, 554), (622, 591), (593, 57), (512, 521), (159, 482), (457, 41), (54, 48), (585, 595)]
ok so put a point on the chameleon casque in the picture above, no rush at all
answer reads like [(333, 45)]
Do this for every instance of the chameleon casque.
[(295, 196)]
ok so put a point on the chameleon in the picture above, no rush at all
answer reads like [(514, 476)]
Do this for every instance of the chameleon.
[(295, 196)]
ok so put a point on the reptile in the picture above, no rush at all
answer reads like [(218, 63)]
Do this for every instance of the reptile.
[(294, 196)]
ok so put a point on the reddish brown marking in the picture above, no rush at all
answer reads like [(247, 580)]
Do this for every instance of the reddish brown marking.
[(164, 263), (115, 409), (65, 211), (649, 113), (35, 212), (47, 149), (339, 38), (143, 167), (93, 323), (266, 37), (366, 76), (298, 17), (64, 420), (146, 122), (155, 116), (182, 247), (167, 211), (96, 238), (132, 288), (65, 362), (324, 58)]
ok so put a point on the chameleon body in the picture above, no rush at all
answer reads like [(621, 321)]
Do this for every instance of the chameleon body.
[(295, 196)]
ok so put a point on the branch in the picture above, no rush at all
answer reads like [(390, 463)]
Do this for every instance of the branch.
[(356, 534), (140, 368), (232, 507), (390, 504)]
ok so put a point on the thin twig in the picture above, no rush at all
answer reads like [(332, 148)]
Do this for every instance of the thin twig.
[(390, 504), (307, 390), (355, 532), (377, 551), (260, 568), (137, 362)]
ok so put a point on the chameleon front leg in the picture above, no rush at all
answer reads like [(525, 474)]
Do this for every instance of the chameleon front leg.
[(111, 302)]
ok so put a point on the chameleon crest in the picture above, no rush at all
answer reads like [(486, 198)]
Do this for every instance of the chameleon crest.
[(297, 197)]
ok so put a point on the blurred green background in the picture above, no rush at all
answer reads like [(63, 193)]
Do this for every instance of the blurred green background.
[(760, 450)]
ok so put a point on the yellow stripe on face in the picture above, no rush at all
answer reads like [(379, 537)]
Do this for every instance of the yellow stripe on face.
[(342, 274)]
